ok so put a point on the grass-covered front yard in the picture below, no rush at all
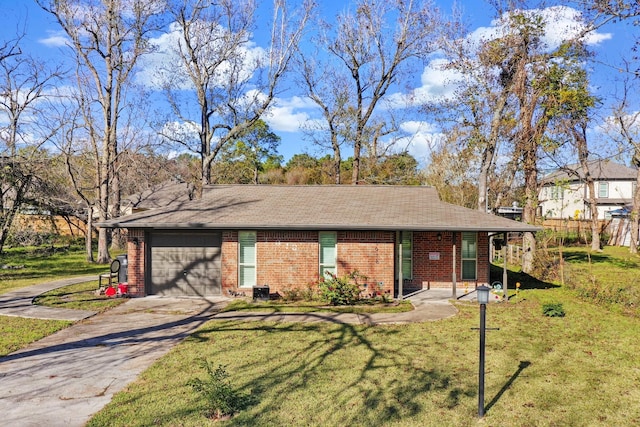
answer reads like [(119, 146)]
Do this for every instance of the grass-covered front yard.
[(21, 267), (579, 370)]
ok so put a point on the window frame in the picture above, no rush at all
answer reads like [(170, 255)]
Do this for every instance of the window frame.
[(407, 261), (467, 259), (323, 265), (603, 190), (245, 265), (557, 192)]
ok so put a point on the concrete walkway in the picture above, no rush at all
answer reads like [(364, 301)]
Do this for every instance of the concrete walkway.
[(429, 305), (20, 302), (65, 378)]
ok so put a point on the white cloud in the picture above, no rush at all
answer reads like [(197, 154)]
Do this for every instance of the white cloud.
[(421, 140), (562, 23), (55, 39), (181, 131), (611, 124), (289, 115), (164, 64)]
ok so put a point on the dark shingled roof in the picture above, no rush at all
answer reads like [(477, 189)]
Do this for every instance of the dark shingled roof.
[(326, 207)]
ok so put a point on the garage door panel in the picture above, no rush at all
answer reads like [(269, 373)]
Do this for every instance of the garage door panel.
[(185, 264)]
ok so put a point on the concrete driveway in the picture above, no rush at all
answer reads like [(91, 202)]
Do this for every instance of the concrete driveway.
[(65, 378)]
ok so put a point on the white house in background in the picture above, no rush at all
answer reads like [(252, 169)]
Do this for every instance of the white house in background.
[(564, 193)]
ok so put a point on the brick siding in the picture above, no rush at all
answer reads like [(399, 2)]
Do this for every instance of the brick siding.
[(370, 253), (288, 259), (135, 263)]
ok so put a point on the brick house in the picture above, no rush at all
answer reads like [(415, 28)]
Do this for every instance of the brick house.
[(401, 238)]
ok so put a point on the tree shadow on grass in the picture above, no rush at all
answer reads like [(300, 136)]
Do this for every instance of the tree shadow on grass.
[(380, 386)]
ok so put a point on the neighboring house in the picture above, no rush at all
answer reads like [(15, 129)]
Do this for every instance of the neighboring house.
[(564, 193), (240, 236)]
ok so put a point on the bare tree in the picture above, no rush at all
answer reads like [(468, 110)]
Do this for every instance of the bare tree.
[(25, 91), (107, 39), (623, 127), (233, 82), (364, 58), (485, 118)]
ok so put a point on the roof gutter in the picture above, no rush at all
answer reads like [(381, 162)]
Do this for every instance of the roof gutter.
[(323, 227)]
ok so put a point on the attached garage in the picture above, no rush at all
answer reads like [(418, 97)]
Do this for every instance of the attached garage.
[(185, 263)]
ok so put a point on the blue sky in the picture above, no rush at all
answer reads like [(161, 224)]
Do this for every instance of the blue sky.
[(43, 39)]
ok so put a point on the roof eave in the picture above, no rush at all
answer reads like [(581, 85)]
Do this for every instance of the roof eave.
[(322, 227)]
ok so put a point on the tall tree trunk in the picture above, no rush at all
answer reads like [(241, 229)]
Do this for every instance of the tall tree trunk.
[(634, 218), (103, 197), (529, 213), (580, 137), (337, 158), (88, 241), (357, 148), (489, 152)]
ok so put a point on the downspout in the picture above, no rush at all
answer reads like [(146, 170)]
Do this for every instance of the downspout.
[(400, 279), (453, 276)]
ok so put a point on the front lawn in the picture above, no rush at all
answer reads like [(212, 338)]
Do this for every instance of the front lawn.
[(81, 296), (20, 267), (577, 370), (17, 332)]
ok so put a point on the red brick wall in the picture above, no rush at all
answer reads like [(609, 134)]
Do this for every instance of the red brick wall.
[(371, 253), (437, 273), (136, 263), (483, 258), (229, 261), (290, 258), (287, 259)]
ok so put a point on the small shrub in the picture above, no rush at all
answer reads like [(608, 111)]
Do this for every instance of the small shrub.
[(545, 266), (222, 399), (343, 290), (385, 298), (553, 310), (309, 293), (291, 295)]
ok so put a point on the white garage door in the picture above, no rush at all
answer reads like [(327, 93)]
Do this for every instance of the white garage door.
[(185, 263)]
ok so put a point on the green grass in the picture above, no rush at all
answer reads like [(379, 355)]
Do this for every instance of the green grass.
[(31, 266), (609, 278), (578, 370), (81, 296), (17, 332)]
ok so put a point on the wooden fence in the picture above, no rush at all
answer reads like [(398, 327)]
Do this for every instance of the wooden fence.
[(579, 226), (514, 254)]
